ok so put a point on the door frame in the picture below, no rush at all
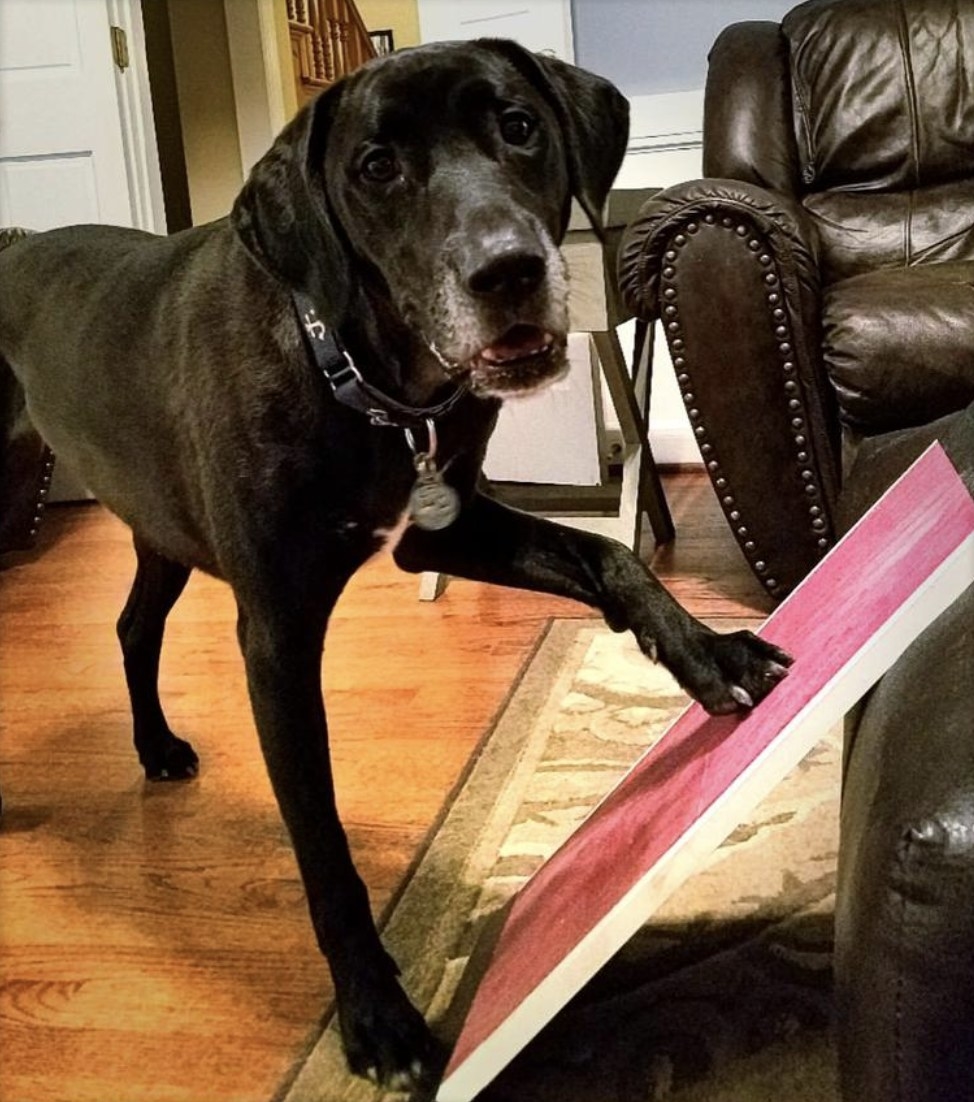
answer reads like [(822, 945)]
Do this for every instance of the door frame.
[(258, 93), (137, 122)]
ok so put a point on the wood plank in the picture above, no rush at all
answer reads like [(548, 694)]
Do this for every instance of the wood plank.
[(902, 565)]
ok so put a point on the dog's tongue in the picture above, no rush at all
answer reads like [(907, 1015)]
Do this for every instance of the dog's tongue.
[(519, 342)]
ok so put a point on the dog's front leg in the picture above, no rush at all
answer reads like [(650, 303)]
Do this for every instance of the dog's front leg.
[(492, 543), (384, 1037)]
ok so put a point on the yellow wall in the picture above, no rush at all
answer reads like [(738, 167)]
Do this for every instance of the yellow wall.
[(204, 83), (206, 109), (285, 64), (401, 16)]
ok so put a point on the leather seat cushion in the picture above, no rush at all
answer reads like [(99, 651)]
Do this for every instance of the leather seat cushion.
[(899, 344)]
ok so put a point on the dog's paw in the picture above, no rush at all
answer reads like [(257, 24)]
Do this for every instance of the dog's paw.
[(728, 673), (174, 760), (387, 1041)]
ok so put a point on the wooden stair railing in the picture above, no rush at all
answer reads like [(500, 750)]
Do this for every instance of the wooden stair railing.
[(328, 40)]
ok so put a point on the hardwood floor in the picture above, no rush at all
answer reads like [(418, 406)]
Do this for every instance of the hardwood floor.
[(154, 939)]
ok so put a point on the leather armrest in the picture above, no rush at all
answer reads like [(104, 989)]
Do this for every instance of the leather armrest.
[(904, 937), (730, 269), (776, 216)]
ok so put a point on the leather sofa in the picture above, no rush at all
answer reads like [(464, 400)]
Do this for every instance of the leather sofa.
[(817, 287), (816, 291)]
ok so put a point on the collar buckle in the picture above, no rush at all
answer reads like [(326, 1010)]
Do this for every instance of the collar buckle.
[(347, 383), (341, 372)]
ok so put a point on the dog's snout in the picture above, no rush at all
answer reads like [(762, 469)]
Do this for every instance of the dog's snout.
[(517, 271)]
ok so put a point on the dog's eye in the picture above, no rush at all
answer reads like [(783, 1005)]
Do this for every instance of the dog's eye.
[(516, 126), (380, 166)]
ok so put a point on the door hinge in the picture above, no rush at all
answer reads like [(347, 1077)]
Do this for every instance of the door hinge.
[(120, 48)]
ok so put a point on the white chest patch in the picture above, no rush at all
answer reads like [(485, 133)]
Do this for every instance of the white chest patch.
[(390, 537)]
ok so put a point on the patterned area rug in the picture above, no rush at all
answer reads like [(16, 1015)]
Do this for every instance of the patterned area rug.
[(726, 992)]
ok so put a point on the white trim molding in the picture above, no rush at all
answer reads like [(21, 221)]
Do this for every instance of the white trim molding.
[(671, 120), (137, 121)]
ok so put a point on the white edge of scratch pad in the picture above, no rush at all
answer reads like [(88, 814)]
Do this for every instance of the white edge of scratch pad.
[(903, 524)]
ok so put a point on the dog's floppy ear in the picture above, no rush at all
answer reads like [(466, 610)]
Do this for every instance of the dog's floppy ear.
[(282, 215), (594, 117)]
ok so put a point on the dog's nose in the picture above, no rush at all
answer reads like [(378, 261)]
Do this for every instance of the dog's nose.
[(513, 272)]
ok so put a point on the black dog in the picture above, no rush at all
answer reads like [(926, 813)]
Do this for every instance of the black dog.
[(197, 384)]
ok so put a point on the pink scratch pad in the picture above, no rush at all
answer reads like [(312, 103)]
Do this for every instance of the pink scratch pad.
[(846, 624)]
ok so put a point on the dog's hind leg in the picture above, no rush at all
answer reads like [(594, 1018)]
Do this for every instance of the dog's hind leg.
[(157, 586)]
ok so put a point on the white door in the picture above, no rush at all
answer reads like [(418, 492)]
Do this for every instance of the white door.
[(540, 25), (77, 143), (62, 156)]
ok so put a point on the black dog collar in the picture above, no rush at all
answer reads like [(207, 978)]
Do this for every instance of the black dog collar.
[(346, 380)]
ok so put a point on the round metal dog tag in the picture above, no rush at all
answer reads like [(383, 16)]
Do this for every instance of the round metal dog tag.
[(432, 503)]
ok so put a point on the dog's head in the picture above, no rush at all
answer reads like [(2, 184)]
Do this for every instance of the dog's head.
[(441, 178)]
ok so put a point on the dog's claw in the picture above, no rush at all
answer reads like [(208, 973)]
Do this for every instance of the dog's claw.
[(174, 761), (385, 1038), (397, 1081), (402, 1081), (742, 696), (727, 673)]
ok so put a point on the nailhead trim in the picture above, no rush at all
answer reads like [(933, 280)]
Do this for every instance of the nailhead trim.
[(43, 490), (781, 332)]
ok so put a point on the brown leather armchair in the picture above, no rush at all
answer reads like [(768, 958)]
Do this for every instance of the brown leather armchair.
[(25, 469), (26, 462), (818, 286)]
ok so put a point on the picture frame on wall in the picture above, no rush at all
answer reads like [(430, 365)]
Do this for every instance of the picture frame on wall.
[(383, 42)]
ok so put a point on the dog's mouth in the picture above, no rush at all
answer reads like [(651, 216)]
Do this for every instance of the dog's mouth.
[(520, 344), (521, 359)]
